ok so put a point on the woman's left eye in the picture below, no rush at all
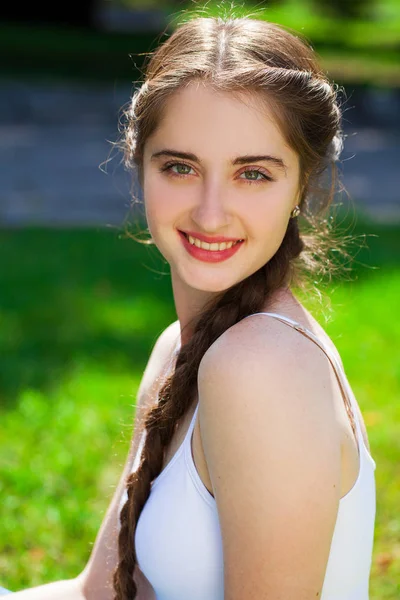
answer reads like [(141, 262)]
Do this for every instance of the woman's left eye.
[(259, 174)]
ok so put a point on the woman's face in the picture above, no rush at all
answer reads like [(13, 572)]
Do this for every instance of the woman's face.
[(212, 192)]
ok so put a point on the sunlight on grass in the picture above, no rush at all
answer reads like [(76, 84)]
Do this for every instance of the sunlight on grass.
[(123, 316), (61, 457)]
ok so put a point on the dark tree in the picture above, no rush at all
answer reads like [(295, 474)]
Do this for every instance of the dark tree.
[(346, 9), (75, 13)]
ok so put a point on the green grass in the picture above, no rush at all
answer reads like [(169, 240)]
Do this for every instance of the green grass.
[(79, 313)]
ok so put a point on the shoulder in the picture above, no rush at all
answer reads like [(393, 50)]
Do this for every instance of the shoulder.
[(159, 360), (265, 344), (164, 346), (272, 451), (166, 342), (271, 367)]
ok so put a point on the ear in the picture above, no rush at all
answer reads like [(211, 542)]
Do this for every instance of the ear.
[(300, 195), (297, 201)]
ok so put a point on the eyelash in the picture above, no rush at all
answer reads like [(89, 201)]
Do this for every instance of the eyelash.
[(168, 166)]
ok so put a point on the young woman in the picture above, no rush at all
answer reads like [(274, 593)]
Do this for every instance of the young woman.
[(249, 474)]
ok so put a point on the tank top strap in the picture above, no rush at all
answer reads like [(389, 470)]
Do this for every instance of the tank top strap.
[(340, 375)]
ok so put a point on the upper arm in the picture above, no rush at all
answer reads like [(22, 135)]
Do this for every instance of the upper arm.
[(96, 578), (273, 454)]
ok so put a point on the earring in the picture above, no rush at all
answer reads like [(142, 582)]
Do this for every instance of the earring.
[(295, 212)]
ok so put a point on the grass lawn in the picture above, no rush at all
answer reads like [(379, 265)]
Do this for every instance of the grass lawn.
[(80, 311)]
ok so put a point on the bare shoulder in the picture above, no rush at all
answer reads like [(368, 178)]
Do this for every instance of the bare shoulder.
[(167, 340), (273, 456), (260, 354), (258, 340), (275, 368), (159, 358)]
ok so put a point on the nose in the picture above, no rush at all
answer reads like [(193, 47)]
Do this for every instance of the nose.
[(210, 212)]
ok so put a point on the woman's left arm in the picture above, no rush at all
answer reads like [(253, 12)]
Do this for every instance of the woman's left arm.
[(272, 447)]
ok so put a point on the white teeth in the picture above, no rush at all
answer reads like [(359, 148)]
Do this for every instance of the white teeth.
[(216, 246), (212, 247)]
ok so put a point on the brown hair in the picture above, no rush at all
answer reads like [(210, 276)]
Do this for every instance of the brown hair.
[(234, 55)]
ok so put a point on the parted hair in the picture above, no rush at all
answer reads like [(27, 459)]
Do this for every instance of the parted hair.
[(234, 55)]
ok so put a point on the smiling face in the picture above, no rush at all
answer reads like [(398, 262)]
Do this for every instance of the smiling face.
[(204, 185)]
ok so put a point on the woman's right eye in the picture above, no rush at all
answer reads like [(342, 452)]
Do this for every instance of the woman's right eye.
[(168, 168)]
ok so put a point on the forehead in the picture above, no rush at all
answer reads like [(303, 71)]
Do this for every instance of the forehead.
[(202, 120)]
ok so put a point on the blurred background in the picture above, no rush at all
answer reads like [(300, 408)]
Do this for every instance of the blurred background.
[(81, 304)]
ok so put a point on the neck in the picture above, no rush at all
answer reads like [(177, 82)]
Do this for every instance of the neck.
[(190, 303)]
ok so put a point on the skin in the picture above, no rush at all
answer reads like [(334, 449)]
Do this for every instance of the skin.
[(212, 196)]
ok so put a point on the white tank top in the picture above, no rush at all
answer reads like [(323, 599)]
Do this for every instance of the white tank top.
[(178, 539)]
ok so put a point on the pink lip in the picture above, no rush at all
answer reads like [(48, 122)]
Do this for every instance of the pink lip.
[(210, 240), (208, 255)]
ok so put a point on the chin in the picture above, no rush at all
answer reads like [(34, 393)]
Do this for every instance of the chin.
[(215, 283)]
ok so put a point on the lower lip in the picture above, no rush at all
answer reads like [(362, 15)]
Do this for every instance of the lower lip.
[(209, 255)]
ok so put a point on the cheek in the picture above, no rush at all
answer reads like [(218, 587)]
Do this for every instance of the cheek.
[(271, 238), (160, 203), (276, 209), (270, 226)]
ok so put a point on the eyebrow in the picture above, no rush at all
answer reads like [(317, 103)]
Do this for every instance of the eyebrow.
[(239, 160)]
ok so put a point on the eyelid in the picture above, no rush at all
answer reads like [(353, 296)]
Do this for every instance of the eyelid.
[(258, 169), (173, 163)]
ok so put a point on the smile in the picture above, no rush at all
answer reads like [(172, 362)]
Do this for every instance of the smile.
[(212, 247), (209, 252)]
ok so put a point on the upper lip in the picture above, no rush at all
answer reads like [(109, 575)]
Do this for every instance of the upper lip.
[(211, 240)]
